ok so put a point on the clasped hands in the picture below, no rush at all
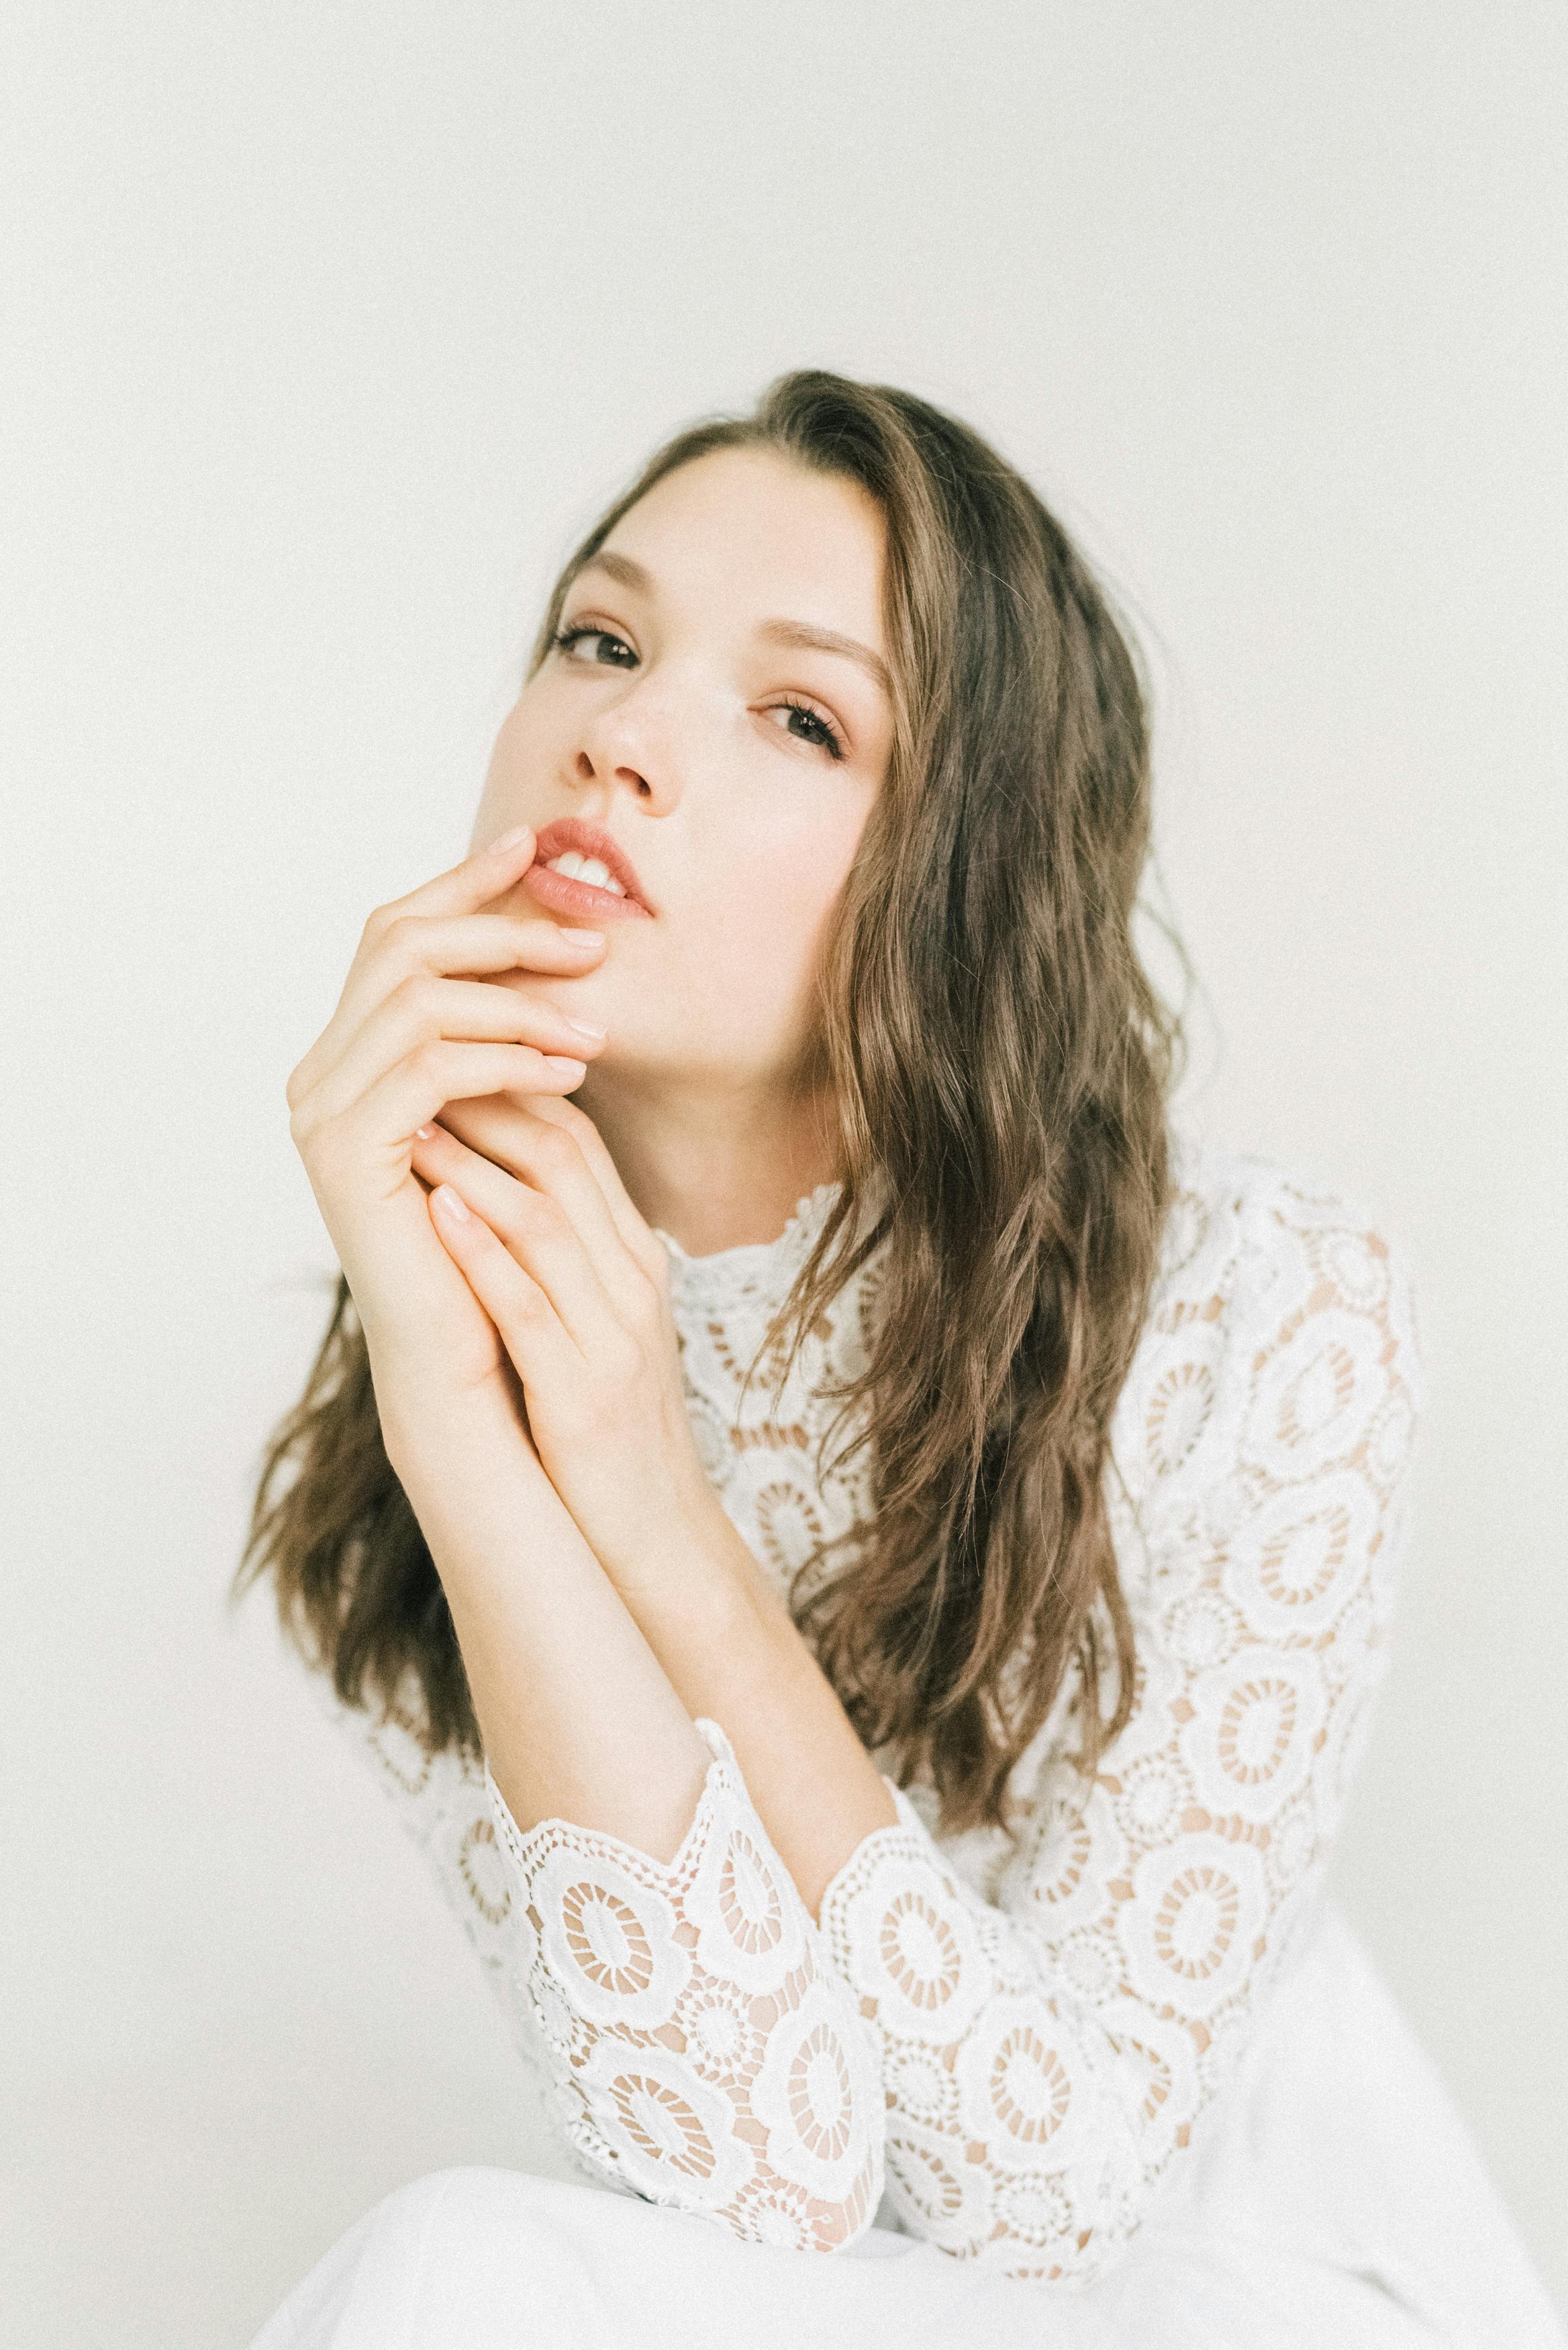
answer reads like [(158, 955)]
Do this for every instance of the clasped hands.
[(544, 1312), (528, 1203)]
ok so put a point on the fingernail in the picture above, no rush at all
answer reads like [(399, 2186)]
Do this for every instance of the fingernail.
[(424, 1132), (587, 1028), (513, 839), (584, 938), (561, 1064), (449, 1204)]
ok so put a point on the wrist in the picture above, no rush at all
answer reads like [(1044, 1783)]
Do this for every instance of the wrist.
[(691, 1576), (426, 1425)]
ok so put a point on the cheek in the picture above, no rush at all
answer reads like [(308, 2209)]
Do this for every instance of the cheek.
[(774, 904), (745, 960), (766, 946), (520, 758), (727, 980)]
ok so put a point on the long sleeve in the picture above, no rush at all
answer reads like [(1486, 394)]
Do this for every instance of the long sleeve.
[(701, 2052), (1022, 2040), (1046, 2053)]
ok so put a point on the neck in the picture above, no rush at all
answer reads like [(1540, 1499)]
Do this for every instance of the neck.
[(714, 1167)]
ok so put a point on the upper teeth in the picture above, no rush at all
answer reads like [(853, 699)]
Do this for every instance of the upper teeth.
[(586, 868)]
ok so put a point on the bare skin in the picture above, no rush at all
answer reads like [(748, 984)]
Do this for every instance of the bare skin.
[(497, 1236), (677, 735)]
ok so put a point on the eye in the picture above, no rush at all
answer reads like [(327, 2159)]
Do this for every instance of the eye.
[(826, 738), (566, 637)]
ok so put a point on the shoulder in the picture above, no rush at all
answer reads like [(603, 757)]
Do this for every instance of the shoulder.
[(1257, 1227), (1281, 1330)]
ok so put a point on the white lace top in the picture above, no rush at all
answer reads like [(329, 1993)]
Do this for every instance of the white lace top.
[(1002, 2048)]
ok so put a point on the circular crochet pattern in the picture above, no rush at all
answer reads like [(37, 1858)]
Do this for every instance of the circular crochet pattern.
[(751, 1932), (609, 1940), (1198, 1910), (1024, 2034), (662, 2126), (818, 2072)]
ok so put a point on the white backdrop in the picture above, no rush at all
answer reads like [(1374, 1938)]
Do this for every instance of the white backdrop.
[(328, 331)]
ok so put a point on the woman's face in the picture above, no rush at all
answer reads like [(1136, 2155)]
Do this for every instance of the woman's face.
[(733, 768)]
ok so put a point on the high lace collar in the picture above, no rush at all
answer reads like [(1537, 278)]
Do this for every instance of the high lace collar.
[(756, 1273)]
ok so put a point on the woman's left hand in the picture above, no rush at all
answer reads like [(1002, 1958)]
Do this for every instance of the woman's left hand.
[(577, 1286)]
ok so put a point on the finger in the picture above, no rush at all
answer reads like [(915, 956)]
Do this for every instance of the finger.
[(451, 1069), (491, 942), (462, 888), (424, 1009), (540, 1234), (549, 1155), (413, 946), (540, 1347), (473, 882), (636, 1235)]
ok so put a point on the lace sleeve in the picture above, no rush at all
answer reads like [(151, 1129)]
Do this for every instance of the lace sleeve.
[(703, 2054), (1045, 2054)]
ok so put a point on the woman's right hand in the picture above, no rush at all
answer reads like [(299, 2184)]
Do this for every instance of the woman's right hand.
[(406, 1038)]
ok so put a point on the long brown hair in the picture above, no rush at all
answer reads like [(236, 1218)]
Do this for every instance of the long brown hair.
[(1001, 1065)]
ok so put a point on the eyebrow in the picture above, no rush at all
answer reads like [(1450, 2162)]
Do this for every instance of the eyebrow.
[(803, 634)]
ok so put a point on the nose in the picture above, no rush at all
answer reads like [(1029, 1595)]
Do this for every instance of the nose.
[(621, 746)]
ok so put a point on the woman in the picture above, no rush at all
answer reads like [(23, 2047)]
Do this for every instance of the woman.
[(862, 1554)]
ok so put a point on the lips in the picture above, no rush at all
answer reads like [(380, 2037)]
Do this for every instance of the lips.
[(585, 898)]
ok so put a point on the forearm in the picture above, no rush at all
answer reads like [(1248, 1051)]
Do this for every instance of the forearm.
[(578, 1716), (586, 1738), (730, 1651)]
